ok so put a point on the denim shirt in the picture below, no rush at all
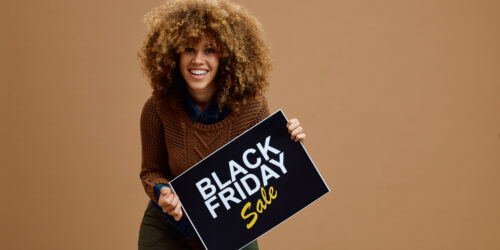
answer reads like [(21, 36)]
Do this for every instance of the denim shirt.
[(208, 116)]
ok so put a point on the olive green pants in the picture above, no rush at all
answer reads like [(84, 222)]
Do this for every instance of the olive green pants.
[(157, 233)]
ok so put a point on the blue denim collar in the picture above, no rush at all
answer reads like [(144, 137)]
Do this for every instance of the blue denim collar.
[(210, 115)]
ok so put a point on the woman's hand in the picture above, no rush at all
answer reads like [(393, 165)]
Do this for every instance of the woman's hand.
[(169, 202), (296, 131)]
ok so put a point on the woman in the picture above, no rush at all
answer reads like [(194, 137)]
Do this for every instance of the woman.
[(208, 64)]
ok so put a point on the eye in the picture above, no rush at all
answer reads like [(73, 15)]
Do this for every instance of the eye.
[(209, 51), (188, 50)]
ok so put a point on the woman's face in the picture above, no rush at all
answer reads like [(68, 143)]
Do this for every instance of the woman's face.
[(199, 66)]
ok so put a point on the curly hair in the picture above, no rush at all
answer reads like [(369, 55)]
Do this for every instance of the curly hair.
[(244, 60)]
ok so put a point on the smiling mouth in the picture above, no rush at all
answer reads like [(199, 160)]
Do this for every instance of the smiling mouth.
[(198, 72)]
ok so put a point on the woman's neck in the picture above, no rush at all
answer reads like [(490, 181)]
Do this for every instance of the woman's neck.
[(202, 98)]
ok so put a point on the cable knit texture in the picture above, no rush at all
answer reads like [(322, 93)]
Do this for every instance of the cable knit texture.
[(172, 142)]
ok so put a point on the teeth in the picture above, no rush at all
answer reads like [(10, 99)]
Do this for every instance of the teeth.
[(198, 72)]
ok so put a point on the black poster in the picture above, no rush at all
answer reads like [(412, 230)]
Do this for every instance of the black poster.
[(249, 186)]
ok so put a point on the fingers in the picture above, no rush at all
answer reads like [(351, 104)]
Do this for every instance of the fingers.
[(170, 204), (300, 137), (165, 196), (296, 131), (177, 213), (292, 124), (165, 191)]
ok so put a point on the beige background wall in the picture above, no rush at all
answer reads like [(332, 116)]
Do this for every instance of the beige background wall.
[(400, 100)]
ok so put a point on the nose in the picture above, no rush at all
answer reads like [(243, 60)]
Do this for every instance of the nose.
[(198, 58)]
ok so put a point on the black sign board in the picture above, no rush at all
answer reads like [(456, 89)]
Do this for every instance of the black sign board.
[(248, 186)]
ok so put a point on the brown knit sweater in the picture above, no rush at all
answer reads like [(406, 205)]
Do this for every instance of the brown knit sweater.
[(172, 142)]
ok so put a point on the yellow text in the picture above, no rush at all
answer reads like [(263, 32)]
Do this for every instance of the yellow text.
[(261, 206)]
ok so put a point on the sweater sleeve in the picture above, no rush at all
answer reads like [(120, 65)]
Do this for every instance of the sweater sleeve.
[(154, 169)]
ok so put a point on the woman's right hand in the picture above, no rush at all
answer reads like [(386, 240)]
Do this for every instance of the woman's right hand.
[(169, 202)]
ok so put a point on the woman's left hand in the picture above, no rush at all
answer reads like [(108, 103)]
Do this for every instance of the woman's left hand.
[(295, 130)]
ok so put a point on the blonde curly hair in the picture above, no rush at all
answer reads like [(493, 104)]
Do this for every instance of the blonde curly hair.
[(244, 60)]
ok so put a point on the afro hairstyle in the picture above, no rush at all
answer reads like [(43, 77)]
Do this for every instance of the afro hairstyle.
[(237, 37)]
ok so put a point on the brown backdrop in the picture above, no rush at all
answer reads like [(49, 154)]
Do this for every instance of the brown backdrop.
[(400, 100)]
